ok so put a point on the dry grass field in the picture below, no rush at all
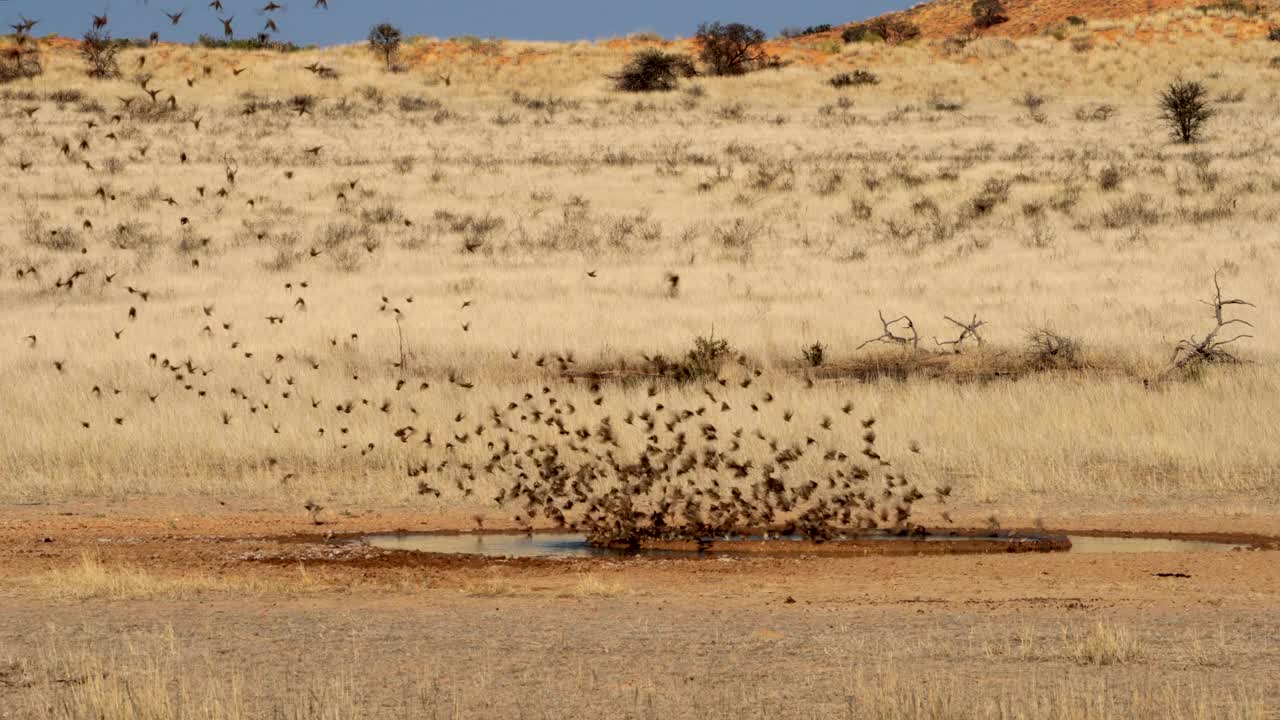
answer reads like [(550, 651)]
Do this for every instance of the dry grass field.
[(227, 281)]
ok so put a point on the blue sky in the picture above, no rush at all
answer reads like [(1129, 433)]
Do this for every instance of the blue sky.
[(349, 20)]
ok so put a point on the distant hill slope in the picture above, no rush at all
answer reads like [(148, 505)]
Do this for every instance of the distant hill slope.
[(941, 18)]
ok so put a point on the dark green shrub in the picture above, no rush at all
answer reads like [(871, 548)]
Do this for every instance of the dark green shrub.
[(384, 40), (815, 354), (652, 70), (1184, 107), (733, 49), (854, 79), (988, 13)]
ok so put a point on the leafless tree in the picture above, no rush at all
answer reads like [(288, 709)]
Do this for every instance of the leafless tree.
[(889, 335), (1211, 348)]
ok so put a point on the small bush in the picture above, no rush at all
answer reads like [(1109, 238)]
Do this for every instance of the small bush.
[(1076, 21), (988, 13), (1184, 107), (704, 359), (733, 49), (66, 96), (993, 193), (417, 103), (384, 40), (258, 43), (1110, 178), (1049, 349), (815, 354), (855, 78), (652, 70), (1273, 33), (1095, 113), (99, 53), (802, 32), (21, 62), (883, 29)]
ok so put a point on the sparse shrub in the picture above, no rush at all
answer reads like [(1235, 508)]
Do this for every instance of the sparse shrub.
[(888, 29), (403, 164), (732, 112), (303, 104), (828, 180), (283, 260), (550, 104), (940, 103), (732, 49), (1095, 113), (1040, 235), (994, 192), (348, 258), (988, 13), (774, 175), (417, 103), (1231, 97), (704, 359), (1049, 349), (133, 236), (1033, 103), (815, 354), (381, 214), (1184, 107), (99, 53), (1076, 21), (1110, 178), (373, 95), (1082, 43), (738, 237), (855, 78), (384, 40), (1273, 33), (652, 70), (21, 62), (66, 96), (857, 32), (802, 32), (256, 43), (1136, 210)]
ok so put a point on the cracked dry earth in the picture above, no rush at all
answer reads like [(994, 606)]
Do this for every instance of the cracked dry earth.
[(414, 635)]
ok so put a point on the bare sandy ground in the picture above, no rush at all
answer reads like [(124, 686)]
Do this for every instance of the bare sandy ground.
[(416, 635)]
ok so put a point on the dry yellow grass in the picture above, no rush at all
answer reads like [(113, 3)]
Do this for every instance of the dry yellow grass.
[(791, 211), (158, 675), (91, 579)]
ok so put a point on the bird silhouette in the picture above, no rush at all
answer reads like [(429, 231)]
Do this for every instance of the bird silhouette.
[(175, 18)]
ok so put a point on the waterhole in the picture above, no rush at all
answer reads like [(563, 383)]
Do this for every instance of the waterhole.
[(569, 545)]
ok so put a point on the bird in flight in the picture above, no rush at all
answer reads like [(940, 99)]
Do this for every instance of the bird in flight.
[(226, 24), (175, 18)]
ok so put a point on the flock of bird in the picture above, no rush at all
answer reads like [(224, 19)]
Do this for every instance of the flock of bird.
[(658, 472), (22, 29)]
